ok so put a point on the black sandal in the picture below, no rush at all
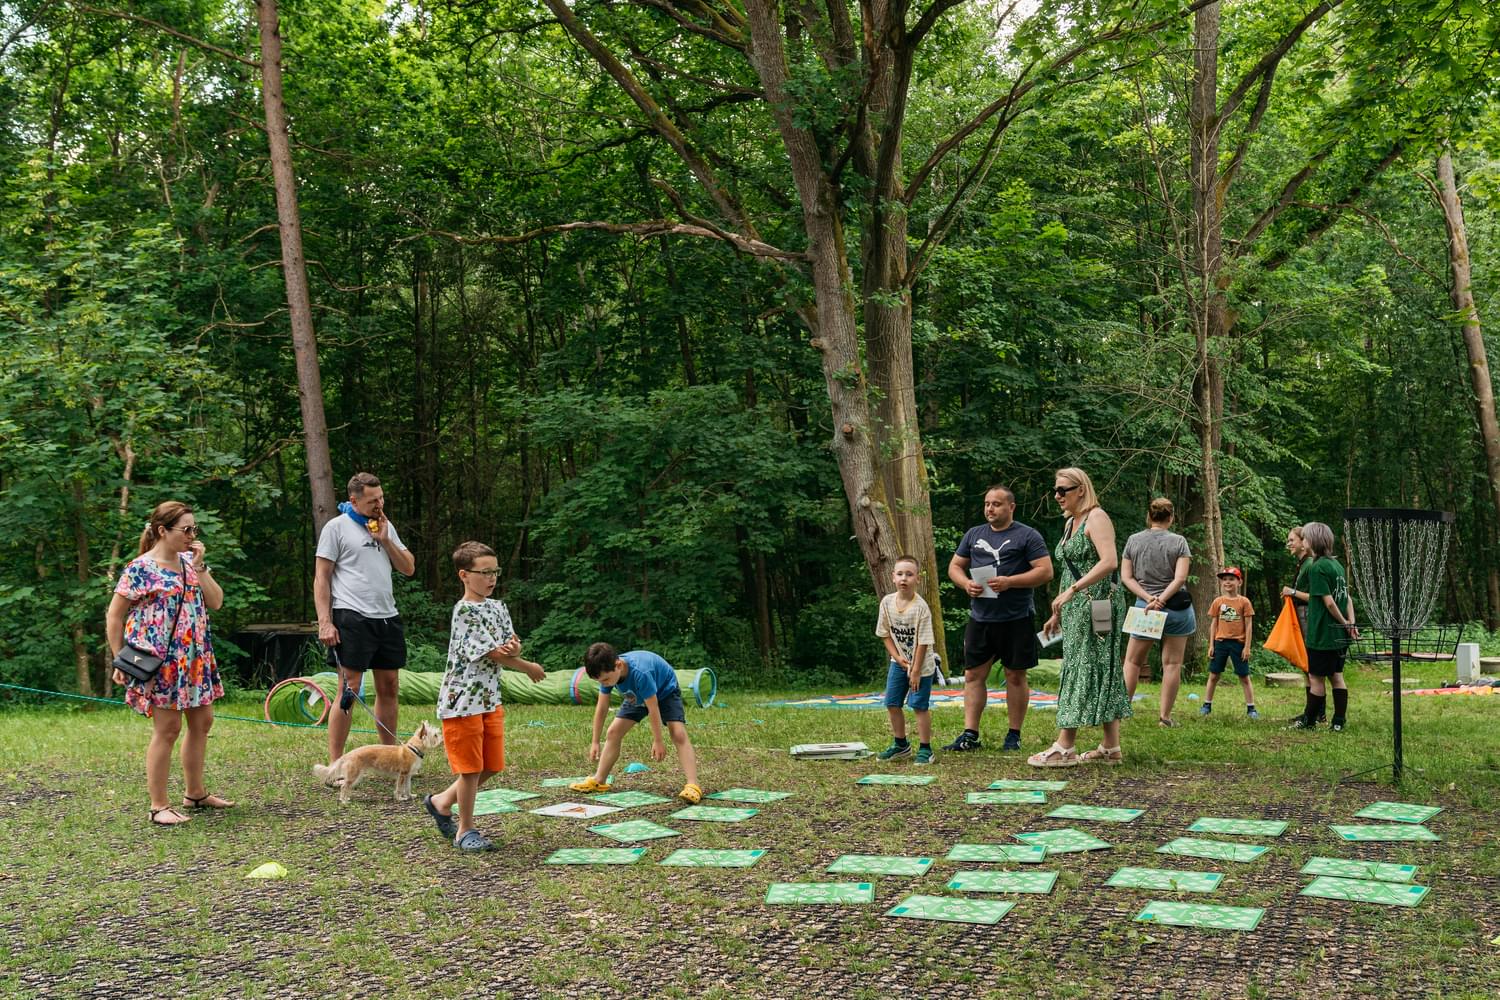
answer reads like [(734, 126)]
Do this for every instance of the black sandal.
[(169, 809), (197, 803)]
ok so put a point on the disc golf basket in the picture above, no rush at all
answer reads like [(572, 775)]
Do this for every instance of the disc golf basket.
[(1396, 560)]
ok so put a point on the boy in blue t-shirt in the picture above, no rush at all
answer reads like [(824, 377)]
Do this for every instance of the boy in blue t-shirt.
[(650, 689)]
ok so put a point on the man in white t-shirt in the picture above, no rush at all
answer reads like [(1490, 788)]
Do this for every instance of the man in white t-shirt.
[(357, 617)]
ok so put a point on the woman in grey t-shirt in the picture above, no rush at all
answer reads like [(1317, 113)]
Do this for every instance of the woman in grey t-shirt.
[(1154, 567)]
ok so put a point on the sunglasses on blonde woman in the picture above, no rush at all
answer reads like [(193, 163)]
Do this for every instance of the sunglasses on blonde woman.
[(1062, 491)]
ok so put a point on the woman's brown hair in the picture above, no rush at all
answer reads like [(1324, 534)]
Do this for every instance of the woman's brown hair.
[(163, 516), (1160, 511)]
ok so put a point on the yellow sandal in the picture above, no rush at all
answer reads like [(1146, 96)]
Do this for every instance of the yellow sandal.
[(589, 786), (691, 794)]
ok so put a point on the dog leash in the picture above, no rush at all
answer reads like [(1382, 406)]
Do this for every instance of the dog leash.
[(348, 696)]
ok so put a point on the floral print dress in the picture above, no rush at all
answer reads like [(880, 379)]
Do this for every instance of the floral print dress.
[(1091, 687), (189, 675)]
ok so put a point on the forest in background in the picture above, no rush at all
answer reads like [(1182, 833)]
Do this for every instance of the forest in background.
[(698, 311)]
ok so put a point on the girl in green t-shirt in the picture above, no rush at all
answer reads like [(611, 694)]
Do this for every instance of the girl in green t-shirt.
[(1330, 626)]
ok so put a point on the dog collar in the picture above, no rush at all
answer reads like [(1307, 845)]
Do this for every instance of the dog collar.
[(414, 750)]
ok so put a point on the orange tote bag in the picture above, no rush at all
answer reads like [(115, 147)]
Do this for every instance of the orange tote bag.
[(1285, 639)]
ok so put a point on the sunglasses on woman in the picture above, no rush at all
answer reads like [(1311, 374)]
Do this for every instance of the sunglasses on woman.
[(1062, 491), (187, 529)]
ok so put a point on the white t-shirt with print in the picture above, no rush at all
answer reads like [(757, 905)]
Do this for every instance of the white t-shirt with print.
[(908, 628), (471, 684)]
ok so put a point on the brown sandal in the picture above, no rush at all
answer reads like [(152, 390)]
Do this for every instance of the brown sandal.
[(201, 802), (1102, 755), (181, 817)]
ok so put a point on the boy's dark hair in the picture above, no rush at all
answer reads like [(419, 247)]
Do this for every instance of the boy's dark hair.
[(467, 554), (903, 557), (359, 481), (600, 658)]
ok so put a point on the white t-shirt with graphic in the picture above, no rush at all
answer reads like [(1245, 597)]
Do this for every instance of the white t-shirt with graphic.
[(471, 684), (908, 628)]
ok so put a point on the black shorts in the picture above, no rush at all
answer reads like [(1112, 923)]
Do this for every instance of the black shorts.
[(669, 704), (368, 643), (1325, 662), (1012, 644)]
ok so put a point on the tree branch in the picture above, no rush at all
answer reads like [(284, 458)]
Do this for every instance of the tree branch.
[(198, 42), (1268, 63), (654, 227)]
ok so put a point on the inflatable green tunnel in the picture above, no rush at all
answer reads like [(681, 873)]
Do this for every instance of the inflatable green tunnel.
[(306, 699)]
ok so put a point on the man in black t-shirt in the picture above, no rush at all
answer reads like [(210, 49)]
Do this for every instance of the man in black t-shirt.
[(997, 564)]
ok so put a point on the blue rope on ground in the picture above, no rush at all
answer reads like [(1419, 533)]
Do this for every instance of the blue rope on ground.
[(121, 704)]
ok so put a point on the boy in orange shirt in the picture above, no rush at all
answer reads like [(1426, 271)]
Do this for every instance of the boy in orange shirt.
[(1234, 629)]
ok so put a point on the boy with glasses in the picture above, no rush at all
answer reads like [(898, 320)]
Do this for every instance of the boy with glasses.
[(480, 642)]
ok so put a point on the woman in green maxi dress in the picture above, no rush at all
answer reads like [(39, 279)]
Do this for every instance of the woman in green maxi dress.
[(1091, 689)]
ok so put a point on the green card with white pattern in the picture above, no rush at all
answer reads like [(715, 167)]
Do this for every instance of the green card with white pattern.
[(635, 829), (1385, 831), (1027, 785), (688, 857), (1228, 918), (749, 795), (565, 782), (714, 814), (792, 893), (1349, 868), (626, 800), (1239, 827), (961, 911), (1011, 798), (1217, 850), (490, 806), (1365, 891), (896, 779), (596, 856), (879, 864), (1023, 854), (1035, 882), (1103, 814), (1064, 841), (1399, 812), (1165, 880)]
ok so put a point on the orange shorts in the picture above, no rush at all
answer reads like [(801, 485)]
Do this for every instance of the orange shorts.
[(475, 742)]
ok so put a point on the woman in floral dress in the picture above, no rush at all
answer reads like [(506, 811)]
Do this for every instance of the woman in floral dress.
[(1091, 689), (170, 573)]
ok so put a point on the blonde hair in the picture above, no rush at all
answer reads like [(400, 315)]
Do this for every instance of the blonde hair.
[(163, 516), (1077, 477)]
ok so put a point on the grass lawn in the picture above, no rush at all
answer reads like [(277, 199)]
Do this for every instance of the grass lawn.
[(97, 903)]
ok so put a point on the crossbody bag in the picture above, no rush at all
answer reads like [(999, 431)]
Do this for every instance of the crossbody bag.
[(142, 664), (1101, 612)]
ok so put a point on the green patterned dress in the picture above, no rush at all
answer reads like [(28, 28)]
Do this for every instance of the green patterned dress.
[(1091, 690)]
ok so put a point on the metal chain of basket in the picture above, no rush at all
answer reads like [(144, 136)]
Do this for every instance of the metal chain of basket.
[(1423, 547)]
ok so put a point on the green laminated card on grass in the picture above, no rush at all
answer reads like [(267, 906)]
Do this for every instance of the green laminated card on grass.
[(1035, 882), (1006, 798), (1165, 880), (1027, 785), (879, 864), (1349, 868), (896, 779), (1228, 918), (1024, 854), (1064, 841), (565, 782), (1399, 812), (490, 807), (960, 911), (714, 814), (1385, 831), (506, 795), (687, 857), (596, 856), (1239, 827), (749, 795), (1218, 850), (1102, 814), (794, 893), (635, 829), (626, 800), (1365, 891)]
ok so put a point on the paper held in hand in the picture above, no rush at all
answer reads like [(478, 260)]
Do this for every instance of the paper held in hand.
[(982, 575), (1144, 624)]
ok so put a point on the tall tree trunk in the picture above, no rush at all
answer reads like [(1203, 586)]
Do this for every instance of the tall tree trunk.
[(294, 270), (1461, 290), (83, 659), (1207, 295)]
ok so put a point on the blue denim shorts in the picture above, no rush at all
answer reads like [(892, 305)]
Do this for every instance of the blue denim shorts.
[(1183, 622), (1231, 651), (898, 688)]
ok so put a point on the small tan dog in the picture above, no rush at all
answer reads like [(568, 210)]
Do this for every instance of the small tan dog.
[(402, 761)]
